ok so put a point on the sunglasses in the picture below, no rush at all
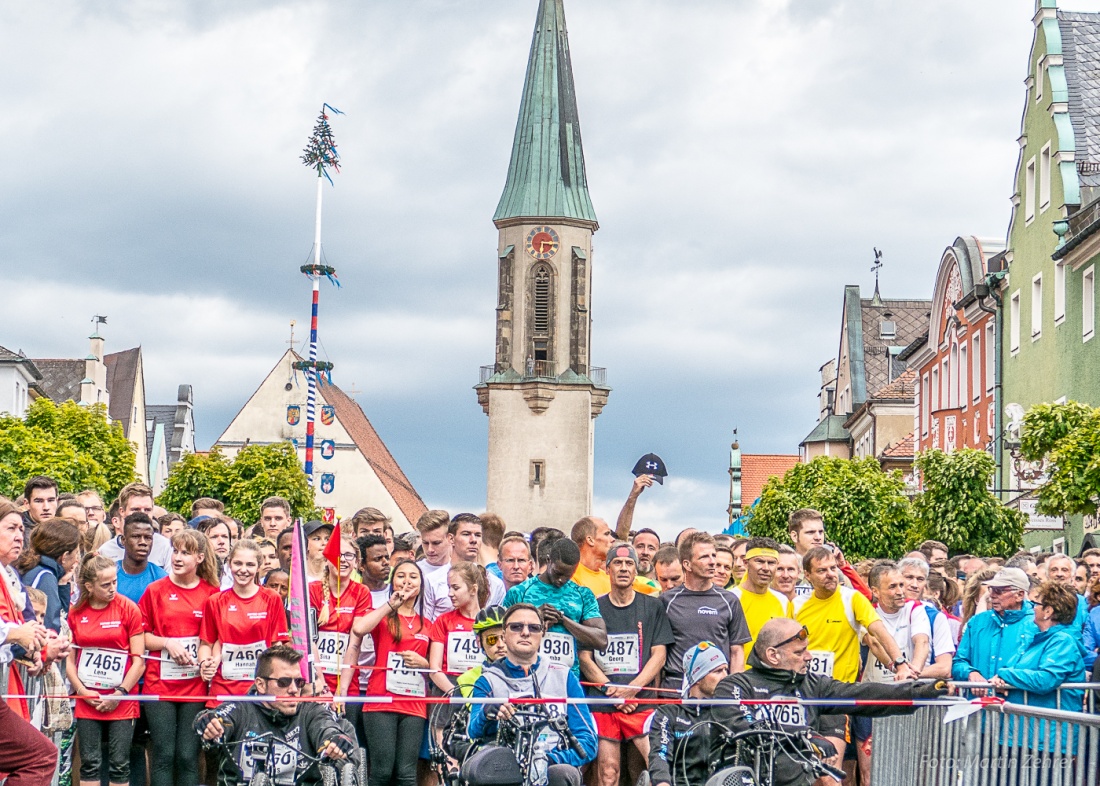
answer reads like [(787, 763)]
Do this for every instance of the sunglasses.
[(802, 635), (286, 682), (492, 639), (520, 627)]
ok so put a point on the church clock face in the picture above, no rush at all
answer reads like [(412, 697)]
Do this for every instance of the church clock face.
[(542, 243)]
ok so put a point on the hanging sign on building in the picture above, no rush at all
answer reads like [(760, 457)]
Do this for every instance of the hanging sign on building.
[(328, 448), (328, 414), (294, 414)]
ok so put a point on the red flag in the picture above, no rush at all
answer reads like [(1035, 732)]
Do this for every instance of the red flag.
[(332, 548)]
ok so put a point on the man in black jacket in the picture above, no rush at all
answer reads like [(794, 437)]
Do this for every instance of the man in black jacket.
[(780, 662), (301, 726)]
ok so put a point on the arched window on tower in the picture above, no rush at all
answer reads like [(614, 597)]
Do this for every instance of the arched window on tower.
[(541, 321), (542, 301)]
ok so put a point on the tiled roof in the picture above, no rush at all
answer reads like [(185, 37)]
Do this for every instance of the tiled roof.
[(60, 378), (757, 468), (904, 448), (355, 422), (830, 429), (904, 388), (1081, 58), (7, 356), (910, 318), (122, 370), (164, 415)]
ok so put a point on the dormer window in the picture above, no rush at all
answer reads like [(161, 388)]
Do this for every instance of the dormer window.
[(887, 329)]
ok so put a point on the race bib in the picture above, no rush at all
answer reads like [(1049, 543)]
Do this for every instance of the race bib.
[(282, 760), (331, 647), (785, 714), (558, 647), (239, 660), (803, 590), (401, 680), (622, 656), (170, 670), (821, 662), (101, 669), (463, 651)]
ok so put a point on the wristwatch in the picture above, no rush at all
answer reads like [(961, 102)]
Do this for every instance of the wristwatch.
[(899, 662), (122, 690)]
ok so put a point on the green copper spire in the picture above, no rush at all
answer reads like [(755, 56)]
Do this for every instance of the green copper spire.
[(546, 175)]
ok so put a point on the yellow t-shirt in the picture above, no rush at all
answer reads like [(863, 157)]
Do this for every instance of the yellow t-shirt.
[(600, 583), (760, 609), (834, 626)]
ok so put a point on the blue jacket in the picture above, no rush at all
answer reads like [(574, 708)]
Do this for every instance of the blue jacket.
[(1092, 637), (580, 718), (44, 576), (991, 639), (1050, 658)]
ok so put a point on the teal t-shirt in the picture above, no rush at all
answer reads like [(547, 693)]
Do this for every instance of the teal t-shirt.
[(574, 601)]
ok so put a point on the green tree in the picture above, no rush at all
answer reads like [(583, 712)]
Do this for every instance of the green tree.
[(1067, 436), (71, 443), (958, 509), (865, 509), (242, 483)]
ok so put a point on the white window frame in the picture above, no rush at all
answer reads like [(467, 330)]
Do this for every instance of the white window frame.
[(1059, 292), (1088, 303), (935, 404), (1058, 546), (1037, 306), (945, 383), (1014, 319), (1029, 191), (925, 412), (964, 372), (976, 366), (1044, 177), (990, 356)]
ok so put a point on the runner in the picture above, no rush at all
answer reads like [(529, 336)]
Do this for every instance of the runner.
[(171, 611), (237, 625), (454, 646), (647, 543), (788, 572), (106, 664), (340, 605), (638, 637), (759, 602), (914, 573), (568, 609), (806, 528), (594, 538), (401, 641), (514, 560), (667, 569), (699, 611), (374, 561)]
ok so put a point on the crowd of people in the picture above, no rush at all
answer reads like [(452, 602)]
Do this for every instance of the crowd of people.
[(110, 603)]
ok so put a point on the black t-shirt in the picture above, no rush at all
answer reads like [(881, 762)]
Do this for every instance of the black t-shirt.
[(632, 632)]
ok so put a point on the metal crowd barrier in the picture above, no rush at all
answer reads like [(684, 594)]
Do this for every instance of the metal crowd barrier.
[(1000, 745)]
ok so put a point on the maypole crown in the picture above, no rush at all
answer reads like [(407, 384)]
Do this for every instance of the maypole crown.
[(320, 151)]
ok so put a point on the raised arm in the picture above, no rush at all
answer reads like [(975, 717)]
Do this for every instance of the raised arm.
[(626, 515)]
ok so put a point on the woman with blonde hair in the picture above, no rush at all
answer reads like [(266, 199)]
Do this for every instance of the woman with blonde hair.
[(171, 610), (976, 597), (106, 663)]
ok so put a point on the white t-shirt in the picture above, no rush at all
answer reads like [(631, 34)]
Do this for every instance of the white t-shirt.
[(437, 598), (943, 637), (909, 621)]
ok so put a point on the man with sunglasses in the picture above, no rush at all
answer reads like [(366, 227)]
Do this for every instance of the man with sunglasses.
[(992, 638), (304, 726), (780, 662), (523, 674)]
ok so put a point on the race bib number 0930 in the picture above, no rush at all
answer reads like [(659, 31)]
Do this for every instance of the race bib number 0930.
[(558, 647)]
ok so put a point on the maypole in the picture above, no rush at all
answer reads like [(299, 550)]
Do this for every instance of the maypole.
[(320, 154)]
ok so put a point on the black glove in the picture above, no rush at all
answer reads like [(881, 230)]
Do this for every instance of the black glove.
[(822, 747), (930, 689), (346, 744), (202, 720)]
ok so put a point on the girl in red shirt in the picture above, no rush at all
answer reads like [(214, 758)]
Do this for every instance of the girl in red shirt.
[(455, 647), (237, 625), (171, 611), (400, 634), (341, 604), (106, 663)]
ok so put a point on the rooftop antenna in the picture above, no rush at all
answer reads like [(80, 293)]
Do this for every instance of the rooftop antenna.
[(875, 268)]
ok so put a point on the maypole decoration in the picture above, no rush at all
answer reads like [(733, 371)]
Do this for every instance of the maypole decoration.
[(320, 154)]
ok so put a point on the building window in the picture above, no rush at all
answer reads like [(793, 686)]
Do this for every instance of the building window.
[(538, 473), (1029, 191), (945, 381), (1059, 293), (952, 377), (935, 389), (1014, 319), (1036, 306), (976, 360), (1088, 303), (887, 328), (991, 357), (1044, 178), (1038, 79), (924, 405), (964, 368), (542, 300)]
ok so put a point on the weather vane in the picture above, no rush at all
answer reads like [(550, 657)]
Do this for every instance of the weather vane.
[(875, 268)]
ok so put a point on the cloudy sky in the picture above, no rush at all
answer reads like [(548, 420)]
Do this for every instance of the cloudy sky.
[(743, 158)]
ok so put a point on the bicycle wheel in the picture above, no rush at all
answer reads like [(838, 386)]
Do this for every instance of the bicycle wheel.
[(361, 767), (260, 779), (329, 776)]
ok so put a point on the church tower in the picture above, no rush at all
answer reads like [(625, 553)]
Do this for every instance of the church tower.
[(541, 394)]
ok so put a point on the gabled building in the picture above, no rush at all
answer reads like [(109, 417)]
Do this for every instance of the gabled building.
[(884, 421), (353, 467), (955, 359), (169, 435), (873, 333), (19, 382), (1047, 347)]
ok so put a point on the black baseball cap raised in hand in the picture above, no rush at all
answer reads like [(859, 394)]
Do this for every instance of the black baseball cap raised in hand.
[(651, 464)]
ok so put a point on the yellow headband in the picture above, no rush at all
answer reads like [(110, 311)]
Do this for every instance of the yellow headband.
[(762, 553)]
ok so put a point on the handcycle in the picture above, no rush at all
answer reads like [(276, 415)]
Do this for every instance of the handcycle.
[(273, 761), (514, 759)]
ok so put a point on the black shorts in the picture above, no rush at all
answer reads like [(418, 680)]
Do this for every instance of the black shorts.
[(833, 726)]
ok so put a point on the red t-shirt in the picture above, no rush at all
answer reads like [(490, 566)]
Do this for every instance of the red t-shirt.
[(173, 612), (461, 648), (394, 680), (244, 627), (335, 635), (101, 640)]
